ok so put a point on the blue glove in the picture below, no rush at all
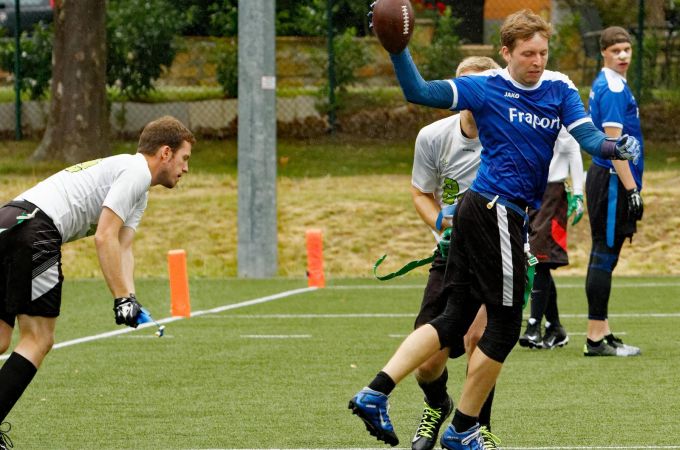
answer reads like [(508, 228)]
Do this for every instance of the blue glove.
[(575, 205), (627, 147)]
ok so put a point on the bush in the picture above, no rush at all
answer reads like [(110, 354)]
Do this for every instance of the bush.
[(227, 68), (36, 60), (442, 55), (140, 38), (350, 55)]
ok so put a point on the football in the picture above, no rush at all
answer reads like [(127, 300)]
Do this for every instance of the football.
[(393, 23)]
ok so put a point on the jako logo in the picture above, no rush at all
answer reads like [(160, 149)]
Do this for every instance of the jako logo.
[(533, 119), (511, 94)]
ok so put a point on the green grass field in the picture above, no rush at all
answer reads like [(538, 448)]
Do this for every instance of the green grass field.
[(278, 374)]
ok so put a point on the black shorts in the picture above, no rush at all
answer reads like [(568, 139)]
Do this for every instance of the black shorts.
[(601, 215), (486, 265), (548, 227), (434, 303), (30, 264), (487, 251)]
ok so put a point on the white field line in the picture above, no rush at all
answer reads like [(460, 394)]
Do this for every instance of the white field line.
[(558, 285), (594, 447), (219, 309), (276, 336), (402, 315)]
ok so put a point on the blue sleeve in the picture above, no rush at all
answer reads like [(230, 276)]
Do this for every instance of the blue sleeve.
[(612, 108), (437, 94), (572, 107), (593, 140)]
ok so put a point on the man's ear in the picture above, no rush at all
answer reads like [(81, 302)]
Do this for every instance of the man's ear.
[(166, 153), (505, 53)]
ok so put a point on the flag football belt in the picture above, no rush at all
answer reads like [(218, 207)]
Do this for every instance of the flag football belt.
[(447, 211), (531, 260), (21, 218)]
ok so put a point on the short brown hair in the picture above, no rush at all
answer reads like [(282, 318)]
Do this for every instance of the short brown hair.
[(164, 131), (477, 64), (523, 25), (613, 35)]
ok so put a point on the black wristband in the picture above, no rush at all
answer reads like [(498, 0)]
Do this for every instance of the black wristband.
[(608, 149)]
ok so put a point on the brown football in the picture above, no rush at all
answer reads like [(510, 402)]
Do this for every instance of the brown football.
[(393, 23)]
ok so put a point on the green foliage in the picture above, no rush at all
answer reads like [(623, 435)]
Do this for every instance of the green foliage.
[(350, 54), (36, 60), (443, 54), (140, 37), (223, 18), (565, 44), (227, 68), (293, 17)]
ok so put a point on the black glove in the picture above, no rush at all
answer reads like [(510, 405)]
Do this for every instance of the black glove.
[(126, 310), (635, 206)]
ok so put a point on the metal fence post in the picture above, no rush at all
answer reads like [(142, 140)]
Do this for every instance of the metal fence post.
[(331, 67), (257, 232), (17, 71), (640, 50)]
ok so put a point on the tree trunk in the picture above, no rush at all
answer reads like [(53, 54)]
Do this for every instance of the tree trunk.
[(78, 124)]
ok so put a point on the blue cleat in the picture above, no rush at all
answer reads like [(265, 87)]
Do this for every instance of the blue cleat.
[(371, 407), (468, 440)]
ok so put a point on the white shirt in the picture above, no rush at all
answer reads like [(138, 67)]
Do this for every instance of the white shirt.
[(445, 162), (74, 198), (567, 161)]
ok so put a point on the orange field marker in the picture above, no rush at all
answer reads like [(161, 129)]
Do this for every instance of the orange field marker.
[(315, 277), (179, 283)]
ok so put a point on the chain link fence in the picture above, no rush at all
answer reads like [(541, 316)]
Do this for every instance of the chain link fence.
[(366, 100)]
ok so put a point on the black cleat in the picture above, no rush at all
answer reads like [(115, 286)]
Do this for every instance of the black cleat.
[(532, 336), (555, 336), (432, 420)]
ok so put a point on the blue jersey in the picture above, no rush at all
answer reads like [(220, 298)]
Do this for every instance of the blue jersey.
[(612, 104), (518, 126)]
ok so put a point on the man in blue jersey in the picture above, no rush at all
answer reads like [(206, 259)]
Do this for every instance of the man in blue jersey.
[(445, 163), (613, 190), (519, 111)]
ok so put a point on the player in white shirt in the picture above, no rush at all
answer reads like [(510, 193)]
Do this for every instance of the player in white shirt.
[(548, 240), (104, 197), (447, 156)]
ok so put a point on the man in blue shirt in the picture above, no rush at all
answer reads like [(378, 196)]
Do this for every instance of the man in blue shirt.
[(519, 111), (613, 190)]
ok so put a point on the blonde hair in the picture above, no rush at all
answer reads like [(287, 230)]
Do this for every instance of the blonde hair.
[(476, 64), (523, 25), (164, 131)]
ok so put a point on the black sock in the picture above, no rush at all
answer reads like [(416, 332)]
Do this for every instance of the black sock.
[(382, 383), (435, 391), (540, 292), (485, 413), (552, 313), (594, 343), (462, 422), (15, 375)]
